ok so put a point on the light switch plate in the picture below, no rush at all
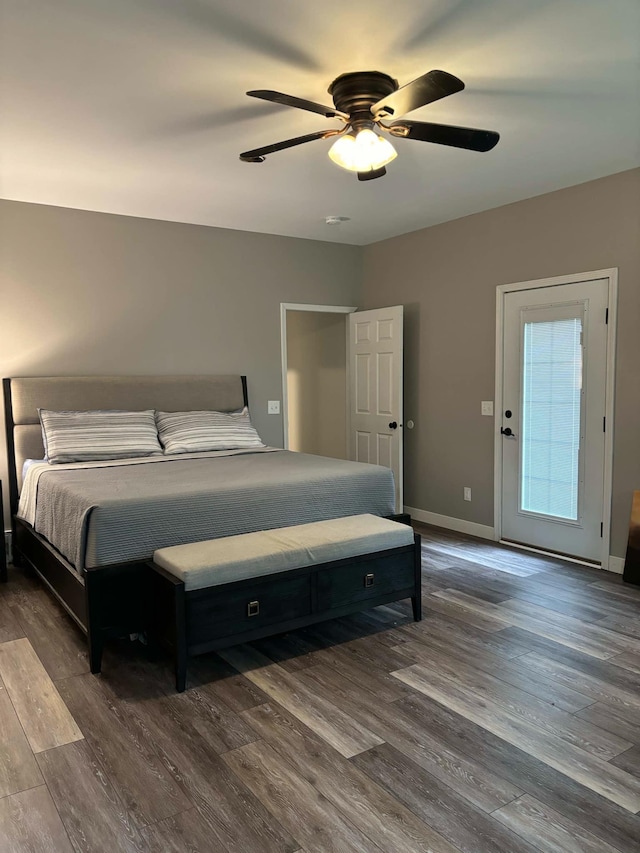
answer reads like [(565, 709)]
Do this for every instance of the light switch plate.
[(273, 407), (486, 407)]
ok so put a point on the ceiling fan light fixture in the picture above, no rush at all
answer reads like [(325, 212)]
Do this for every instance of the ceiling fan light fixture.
[(365, 152), (361, 100)]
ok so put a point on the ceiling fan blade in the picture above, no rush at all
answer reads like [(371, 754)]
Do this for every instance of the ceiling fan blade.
[(445, 134), (258, 154), (372, 174), (300, 103), (430, 87)]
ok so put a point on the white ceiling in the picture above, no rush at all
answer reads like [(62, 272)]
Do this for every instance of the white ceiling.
[(138, 107)]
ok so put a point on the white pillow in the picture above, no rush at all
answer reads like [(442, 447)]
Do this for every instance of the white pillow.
[(190, 432), (92, 436)]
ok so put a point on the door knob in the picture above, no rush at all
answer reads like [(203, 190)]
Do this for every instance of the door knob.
[(508, 431), (393, 425)]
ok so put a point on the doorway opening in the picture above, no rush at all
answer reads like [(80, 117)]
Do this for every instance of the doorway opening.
[(342, 378), (314, 378)]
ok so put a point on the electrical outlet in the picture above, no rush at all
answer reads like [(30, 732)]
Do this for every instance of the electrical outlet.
[(467, 493), (273, 407), (486, 407)]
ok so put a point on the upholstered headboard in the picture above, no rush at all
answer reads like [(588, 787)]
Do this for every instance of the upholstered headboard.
[(24, 396)]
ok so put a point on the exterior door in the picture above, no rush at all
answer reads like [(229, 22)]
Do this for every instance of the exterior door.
[(374, 415), (553, 418)]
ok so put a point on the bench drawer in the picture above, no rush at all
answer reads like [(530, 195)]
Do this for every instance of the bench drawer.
[(367, 578), (211, 613)]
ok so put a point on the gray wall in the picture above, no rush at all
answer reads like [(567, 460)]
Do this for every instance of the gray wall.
[(84, 293), (89, 293), (317, 383), (446, 276)]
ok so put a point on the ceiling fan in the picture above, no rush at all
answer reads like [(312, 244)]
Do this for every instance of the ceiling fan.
[(365, 101)]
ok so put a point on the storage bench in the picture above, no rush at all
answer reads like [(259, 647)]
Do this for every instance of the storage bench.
[(208, 595)]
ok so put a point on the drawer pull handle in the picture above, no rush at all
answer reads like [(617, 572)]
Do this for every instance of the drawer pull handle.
[(253, 608), (368, 579)]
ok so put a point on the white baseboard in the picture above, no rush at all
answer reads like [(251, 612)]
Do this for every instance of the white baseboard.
[(616, 564), (483, 531)]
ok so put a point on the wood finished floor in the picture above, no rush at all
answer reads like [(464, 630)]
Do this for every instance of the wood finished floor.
[(507, 721)]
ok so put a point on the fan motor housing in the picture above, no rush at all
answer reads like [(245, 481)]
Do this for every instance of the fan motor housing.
[(356, 92)]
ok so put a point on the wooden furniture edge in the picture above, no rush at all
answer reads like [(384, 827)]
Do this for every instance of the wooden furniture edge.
[(168, 624), (81, 597)]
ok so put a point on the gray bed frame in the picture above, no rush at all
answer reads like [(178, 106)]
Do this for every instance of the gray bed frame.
[(109, 601)]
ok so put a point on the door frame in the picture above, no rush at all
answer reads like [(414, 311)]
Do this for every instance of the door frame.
[(299, 306), (611, 275)]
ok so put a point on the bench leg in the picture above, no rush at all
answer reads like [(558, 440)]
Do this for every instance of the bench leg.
[(181, 670), (181, 676), (416, 601), (180, 638), (96, 645)]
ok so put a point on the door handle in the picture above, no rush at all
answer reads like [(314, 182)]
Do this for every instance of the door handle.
[(508, 432), (393, 425)]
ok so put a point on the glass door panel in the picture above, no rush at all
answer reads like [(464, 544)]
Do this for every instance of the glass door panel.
[(551, 419)]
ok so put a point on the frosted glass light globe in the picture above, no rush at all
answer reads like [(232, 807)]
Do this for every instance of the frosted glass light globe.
[(363, 153)]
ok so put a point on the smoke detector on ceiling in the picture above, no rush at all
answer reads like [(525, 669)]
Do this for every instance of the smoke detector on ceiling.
[(336, 220)]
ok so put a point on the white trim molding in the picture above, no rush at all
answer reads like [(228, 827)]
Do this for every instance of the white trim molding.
[(616, 564), (611, 275), (460, 525), (298, 306), (483, 531)]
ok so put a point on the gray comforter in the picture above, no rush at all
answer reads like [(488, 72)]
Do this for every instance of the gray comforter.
[(95, 517)]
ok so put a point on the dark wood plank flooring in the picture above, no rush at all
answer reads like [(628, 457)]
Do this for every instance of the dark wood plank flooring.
[(507, 721)]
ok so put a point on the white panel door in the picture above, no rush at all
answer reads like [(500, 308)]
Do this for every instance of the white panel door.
[(553, 439), (374, 348)]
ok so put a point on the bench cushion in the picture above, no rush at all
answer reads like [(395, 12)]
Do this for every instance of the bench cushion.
[(233, 558)]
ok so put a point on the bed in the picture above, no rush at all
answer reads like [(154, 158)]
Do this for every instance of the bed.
[(90, 529)]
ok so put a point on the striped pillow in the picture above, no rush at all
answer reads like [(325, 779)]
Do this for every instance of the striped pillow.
[(189, 432), (91, 436)]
